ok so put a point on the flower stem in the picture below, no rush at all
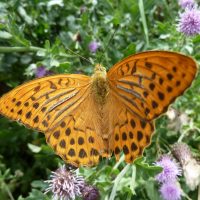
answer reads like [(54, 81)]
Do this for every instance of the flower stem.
[(142, 14), (122, 158), (19, 49), (8, 191), (31, 48), (132, 182), (117, 180)]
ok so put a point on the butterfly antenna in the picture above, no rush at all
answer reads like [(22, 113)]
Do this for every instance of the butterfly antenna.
[(109, 43), (79, 55)]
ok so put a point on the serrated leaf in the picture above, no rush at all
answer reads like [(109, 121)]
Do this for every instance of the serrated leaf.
[(145, 170), (5, 35), (34, 148), (47, 45)]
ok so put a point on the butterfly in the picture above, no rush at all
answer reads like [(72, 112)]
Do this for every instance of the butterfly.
[(84, 117)]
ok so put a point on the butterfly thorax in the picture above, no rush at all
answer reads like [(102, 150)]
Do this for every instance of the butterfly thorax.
[(100, 83)]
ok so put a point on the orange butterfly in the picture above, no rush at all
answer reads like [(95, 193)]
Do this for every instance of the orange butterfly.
[(84, 117)]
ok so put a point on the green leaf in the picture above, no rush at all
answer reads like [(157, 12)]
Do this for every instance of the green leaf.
[(197, 139), (34, 148), (2, 26), (55, 50), (36, 194), (39, 184), (41, 53), (55, 63), (24, 15), (130, 50), (24, 41), (5, 35), (65, 65), (85, 16), (47, 45), (127, 189), (145, 170)]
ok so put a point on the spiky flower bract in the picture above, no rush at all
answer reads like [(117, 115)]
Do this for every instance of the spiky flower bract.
[(65, 184), (90, 192), (185, 3)]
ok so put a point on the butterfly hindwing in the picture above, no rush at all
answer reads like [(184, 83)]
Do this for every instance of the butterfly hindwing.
[(76, 139), (130, 133)]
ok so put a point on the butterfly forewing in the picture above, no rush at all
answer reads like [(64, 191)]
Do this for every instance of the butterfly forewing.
[(147, 83), (40, 104)]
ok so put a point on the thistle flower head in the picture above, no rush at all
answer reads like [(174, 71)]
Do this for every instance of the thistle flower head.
[(181, 152), (2, 21), (171, 169), (40, 71), (90, 192), (65, 184), (185, 3), (189, 22), (191, 169), (93, 47), (170, 191)]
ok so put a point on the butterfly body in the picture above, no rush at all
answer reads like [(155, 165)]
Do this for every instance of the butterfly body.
[(100, 92), (84, 117)]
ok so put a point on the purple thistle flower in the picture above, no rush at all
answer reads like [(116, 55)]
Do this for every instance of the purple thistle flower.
[(93, 47), (170, 191), (189, 22), (83, 9), (171, 169), (65, 184), (90, 192), (185, 3), (3, 22), (40, 71)]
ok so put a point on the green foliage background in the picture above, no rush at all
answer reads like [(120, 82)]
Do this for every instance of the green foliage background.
[(40, 31)]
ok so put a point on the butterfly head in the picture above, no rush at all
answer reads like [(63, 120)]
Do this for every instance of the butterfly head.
[(99, 69)]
